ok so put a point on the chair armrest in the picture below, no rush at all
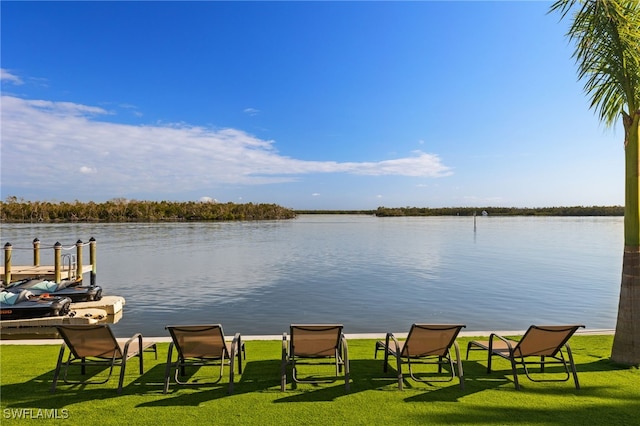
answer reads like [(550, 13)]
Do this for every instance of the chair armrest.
[(237, 340), (128, 342), (344, 347), (505, 340), (390, 336), (236, 344)]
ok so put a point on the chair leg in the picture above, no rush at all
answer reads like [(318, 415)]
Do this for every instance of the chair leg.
[(515, 372), (379, 347), (283, 375), (231, 368), (284, 360), (141, 362), (385, 367), (459, 365), (56, 374), (240, 353), (399, 366), (573, 366), (122, 370), (345, 359), (167, 369)]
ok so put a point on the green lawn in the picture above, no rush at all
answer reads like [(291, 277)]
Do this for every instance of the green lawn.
[(610, 395)]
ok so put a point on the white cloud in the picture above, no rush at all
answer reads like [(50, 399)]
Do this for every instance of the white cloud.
[(88, 170), (5, 75), (208, 200), (162, 159)]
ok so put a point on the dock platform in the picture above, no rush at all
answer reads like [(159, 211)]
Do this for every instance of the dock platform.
[(48, 272)]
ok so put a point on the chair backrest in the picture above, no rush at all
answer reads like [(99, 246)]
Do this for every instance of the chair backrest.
[(315, 340), (94, 340), (544, 340), (198, 341), (430, 339)]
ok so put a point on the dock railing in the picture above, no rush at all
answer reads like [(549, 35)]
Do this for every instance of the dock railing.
[(74, 263)]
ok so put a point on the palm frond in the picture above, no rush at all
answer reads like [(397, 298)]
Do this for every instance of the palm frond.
[(607, 51)]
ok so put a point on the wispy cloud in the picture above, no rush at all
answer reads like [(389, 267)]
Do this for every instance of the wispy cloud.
[(7, 76), (49, 143), (251, 111)]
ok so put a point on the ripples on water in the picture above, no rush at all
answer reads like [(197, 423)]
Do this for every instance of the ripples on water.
[(371, 274)]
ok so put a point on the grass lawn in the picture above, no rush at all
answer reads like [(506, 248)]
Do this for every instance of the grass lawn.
[(610, 394)]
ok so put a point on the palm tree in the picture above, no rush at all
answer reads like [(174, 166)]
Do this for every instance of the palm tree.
[(607, 38)]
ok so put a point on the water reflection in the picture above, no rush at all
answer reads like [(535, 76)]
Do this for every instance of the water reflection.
[(372, 274)]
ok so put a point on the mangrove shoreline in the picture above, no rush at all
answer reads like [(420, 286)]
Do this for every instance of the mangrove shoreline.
[(15, 210)]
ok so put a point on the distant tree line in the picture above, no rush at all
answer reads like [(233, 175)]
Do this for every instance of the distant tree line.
[(502, 211), (367, 212), (16, 210)]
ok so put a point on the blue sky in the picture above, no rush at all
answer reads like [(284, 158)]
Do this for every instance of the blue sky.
[(310, 105)]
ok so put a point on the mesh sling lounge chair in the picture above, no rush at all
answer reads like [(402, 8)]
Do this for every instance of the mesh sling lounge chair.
[(96, 345), (202, 345), (314, 341), (425, 344), (545, 342)]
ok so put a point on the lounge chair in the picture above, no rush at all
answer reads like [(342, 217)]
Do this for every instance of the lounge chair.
[(202, 345), (545, 342), (314, 341), (425, 344), (96, 345)]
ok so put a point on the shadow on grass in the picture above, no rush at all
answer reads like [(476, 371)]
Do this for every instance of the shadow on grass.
[(368, 375), (478, 380), (257, 376), (360, 374), (36, 392), (263, 376)]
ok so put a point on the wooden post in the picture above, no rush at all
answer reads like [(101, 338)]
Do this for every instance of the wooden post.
[(8, 249), (93, 259), (79, 260), (36, 252), (57, 259)]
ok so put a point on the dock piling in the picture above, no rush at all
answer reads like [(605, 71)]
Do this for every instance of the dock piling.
[(8, 249), (57, 262), (79, 259), (36, 252), (93, 260)]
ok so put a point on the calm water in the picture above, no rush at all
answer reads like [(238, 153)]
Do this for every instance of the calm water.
[(371, 274)]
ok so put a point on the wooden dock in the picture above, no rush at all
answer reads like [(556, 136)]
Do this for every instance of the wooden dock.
[(70, 267)]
